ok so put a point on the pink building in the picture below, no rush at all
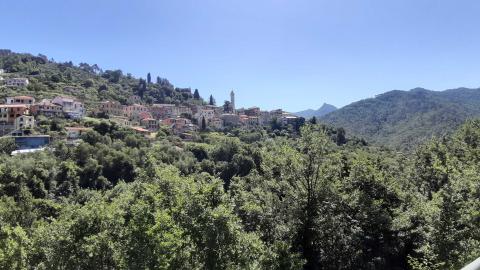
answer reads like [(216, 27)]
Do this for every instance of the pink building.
[(111, 108), (47, 108)]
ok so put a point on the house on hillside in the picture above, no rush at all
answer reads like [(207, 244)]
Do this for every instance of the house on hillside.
[(264, 118), (16, 82), (71, 107), (74, 133), (208, 115), (9, 112), (20, 100), (121, 121), (150, 123), (132, 110), (288, 119), (253, 111), (179, 124), (111, 108), (137, 117), (216, 123), (162, 111), (253, 121), (230, 119), (142, 131), (134, 99), (183, 111), (47, 108), (23, 122)]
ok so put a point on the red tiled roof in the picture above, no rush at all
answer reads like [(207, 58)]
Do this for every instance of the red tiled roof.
[(21, 97), (140, 129), (12, 106), (77, 128)]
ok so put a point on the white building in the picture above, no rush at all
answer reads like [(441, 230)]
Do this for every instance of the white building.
[(24, 122), (207, 114), (71, 107), (27, 100), (230, 119), (16, 82), (264, 118), (74, 133), (120, 120), (216, 123)]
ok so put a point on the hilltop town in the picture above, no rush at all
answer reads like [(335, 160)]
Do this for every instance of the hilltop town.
[(20, 113)]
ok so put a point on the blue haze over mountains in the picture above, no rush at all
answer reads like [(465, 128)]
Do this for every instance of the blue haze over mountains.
[(323, 110)]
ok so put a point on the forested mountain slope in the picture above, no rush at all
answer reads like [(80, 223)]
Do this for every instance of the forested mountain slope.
[(405, 118)]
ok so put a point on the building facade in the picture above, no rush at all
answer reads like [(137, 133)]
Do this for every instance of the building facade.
[(47, 108), (14, 82), (24, 122), (20, 100), (111, 108), (71, 107), (8, 113)]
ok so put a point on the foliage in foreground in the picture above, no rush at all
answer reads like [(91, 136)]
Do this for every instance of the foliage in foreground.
[(250, 200)]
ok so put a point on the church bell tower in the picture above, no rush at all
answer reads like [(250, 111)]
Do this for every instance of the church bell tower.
[(232, 101)]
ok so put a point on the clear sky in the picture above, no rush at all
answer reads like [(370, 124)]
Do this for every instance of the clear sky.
[(294, 54)]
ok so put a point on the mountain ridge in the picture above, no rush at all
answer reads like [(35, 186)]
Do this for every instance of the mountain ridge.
[(402, 119), (323, 110)]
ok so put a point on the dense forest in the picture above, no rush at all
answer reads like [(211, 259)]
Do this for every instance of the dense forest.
[(402, 119), (242, 200)]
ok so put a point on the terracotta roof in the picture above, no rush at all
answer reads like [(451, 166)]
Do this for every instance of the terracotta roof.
[(77, 128), (12, 106), (22, 97), (163, 105), (140, 129)]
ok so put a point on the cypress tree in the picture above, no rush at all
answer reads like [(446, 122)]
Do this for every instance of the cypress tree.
[(212, 101), (196, 94), (204, 123)]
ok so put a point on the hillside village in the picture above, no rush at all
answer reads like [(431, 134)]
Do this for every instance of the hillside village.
[(18, 115)]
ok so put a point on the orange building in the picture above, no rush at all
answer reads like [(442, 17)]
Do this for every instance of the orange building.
[(111, 108), (8, 113)]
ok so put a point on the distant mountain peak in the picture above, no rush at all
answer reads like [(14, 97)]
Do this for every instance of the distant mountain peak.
[(327, 106), (323, 110)]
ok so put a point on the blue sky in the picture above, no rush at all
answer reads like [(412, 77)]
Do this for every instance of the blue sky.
[(294, 54)]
